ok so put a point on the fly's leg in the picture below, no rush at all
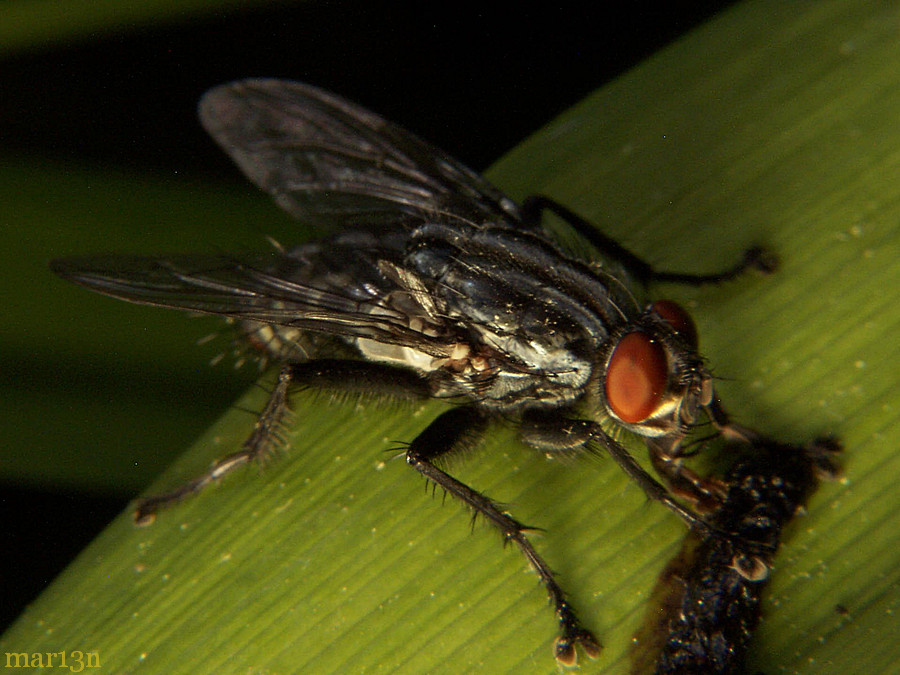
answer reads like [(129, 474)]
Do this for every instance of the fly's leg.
[(555, 433), (452, 431), (266, 434), (332, 374), (755, 257), (706, 494), (667, 455), (726, 428)]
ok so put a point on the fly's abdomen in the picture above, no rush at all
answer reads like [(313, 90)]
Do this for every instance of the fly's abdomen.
[(353, 298), (330, 281)]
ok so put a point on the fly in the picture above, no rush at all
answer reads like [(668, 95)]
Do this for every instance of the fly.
[(431, 283)]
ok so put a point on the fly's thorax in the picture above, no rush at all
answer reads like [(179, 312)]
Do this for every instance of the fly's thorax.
[(537, 314), (516, 284), (652, 380)]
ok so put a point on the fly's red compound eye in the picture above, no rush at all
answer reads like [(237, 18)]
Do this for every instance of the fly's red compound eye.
[(678, 318), (636, 377)]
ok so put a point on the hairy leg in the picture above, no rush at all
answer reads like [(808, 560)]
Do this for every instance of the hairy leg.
[(452, 431), (553, 431), (330, 374)]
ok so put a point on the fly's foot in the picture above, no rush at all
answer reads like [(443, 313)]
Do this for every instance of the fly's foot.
[(573, 635)]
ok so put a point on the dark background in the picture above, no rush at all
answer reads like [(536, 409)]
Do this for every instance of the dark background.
[(475, 81)]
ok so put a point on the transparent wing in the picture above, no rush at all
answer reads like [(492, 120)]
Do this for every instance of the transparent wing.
[(332, 163), (261, 287)]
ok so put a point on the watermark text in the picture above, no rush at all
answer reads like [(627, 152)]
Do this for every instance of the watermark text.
[(74, 661)]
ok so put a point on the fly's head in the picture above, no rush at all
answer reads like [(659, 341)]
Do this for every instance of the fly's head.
[(654, 381)]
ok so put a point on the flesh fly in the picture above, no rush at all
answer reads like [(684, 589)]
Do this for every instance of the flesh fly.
[(428, 282)]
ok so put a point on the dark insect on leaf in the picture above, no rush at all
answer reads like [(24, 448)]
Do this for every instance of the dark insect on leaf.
[(430, 283), (708, 599)]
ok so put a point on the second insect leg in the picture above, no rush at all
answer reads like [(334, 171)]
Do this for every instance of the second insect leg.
[(453, 431)]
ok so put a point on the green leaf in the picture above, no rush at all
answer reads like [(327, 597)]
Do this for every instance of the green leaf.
[(774, 123)]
